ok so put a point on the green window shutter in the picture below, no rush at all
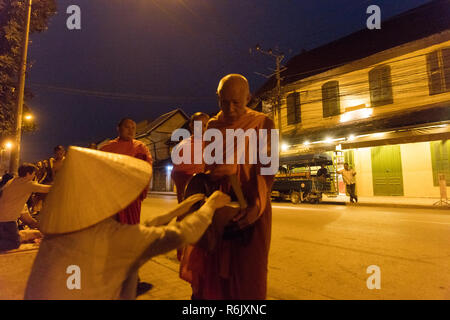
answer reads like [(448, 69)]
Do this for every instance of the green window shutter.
[(331, 103), (446, 67), (380, 85), (440, 160), (293, 108), (434, 73), (349, 158)]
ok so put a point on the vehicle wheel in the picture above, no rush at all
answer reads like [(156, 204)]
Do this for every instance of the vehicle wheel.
[(312, 200), (295, 197)]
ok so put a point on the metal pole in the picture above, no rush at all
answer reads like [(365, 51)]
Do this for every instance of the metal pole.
[(15, 151), (279, 58)]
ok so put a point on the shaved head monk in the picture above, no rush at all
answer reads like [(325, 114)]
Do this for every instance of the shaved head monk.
[(127, 145), (237, 266), (181, 173)]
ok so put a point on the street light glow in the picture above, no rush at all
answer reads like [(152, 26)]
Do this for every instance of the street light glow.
[(378, 134), (28, 117), (284, 147), (8, 145)]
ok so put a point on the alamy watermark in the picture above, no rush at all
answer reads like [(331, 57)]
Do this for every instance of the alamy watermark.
[(374, 281), (73, 22), (74, 280), (374, 21), (256, 142)]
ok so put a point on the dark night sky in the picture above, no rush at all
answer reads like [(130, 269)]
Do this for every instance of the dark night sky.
[(161, 52)]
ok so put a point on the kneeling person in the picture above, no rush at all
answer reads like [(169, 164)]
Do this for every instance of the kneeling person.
[(82, 234), (14, 196)]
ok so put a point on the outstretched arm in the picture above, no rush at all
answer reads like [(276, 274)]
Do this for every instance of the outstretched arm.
[(187, 231), (179, 210)]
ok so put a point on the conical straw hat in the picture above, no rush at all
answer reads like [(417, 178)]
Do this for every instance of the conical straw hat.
[(90, 187)]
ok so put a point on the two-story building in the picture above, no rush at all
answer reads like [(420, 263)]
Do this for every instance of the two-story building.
[(378, 99)]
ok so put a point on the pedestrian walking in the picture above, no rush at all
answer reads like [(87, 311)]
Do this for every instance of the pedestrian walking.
[(350, 183)]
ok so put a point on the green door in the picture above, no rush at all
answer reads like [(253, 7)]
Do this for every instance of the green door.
[(387, 171)]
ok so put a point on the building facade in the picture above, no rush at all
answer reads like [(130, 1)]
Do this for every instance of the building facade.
[(377, 99)]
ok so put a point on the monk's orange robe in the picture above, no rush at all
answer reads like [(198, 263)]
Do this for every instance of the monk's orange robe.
[(137, 149), (237, 268), (181, 173)]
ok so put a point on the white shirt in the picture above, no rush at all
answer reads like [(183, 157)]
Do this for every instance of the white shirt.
[(348, 176), (15, 195), (108, 255)]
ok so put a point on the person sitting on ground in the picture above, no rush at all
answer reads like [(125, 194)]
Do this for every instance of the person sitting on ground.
[(14, 196)]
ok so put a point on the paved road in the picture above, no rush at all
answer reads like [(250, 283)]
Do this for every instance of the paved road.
[(317, 252), (323, 251)]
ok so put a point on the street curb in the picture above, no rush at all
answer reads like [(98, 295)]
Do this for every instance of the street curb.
[(359, 204), (162, 193), (399, 205)]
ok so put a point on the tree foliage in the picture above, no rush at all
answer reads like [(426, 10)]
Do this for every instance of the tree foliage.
[(12, 24)]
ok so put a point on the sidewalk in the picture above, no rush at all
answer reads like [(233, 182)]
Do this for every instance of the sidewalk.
[(399, 202), (161, 272)]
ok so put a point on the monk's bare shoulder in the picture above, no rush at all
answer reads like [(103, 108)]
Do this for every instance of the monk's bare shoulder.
[(139, 144), (107, 146), (214, 120)]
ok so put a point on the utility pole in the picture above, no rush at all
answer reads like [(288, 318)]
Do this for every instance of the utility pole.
[(278, 59), (15, 151)]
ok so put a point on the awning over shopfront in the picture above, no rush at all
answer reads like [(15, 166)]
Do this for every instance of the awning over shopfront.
[(425, 123), (306, 159), (440, 132)]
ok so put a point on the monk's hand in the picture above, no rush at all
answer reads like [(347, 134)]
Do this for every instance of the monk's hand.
[(218, 200), (239, 216)]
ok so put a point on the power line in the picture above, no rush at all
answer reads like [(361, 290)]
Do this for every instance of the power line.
[(120, 96)]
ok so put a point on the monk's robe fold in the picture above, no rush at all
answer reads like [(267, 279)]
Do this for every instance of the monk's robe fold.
[(181, 173), (136, 149), (237, 268)]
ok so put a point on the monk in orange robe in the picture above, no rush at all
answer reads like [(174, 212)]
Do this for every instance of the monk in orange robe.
[(181, 173), (237, 267), (127, 145)]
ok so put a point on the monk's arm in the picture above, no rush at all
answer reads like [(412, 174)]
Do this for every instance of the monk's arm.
[(261, 192)]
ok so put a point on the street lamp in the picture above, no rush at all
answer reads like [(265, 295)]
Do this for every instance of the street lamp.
[(28, 117), (15, 152), (7, 146)]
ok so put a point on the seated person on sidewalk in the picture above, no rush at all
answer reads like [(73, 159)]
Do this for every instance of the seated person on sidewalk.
[(13, 198), (100, 255)]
